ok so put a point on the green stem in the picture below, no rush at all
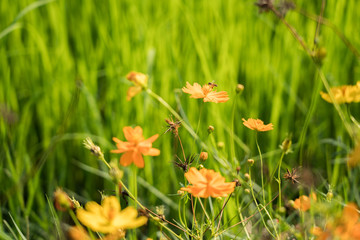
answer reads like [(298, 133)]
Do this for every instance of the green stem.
[(257, 205), (279, 180), (262, 170)]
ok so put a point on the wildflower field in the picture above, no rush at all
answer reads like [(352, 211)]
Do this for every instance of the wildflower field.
[(181, 119)]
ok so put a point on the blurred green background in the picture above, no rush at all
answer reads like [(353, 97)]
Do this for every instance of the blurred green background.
[(62, 78)]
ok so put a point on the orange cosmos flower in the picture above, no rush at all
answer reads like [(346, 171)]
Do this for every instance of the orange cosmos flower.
[(206, 92), (135, 147), (345, 228), (303, 203), (140, 80), (207, 183), (257, 125), (109, 218), (343, 94)]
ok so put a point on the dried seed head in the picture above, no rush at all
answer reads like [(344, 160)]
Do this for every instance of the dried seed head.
[(238, 168), (237, 182), (204, 156), (94, 149), (173, 126), (264, 5)]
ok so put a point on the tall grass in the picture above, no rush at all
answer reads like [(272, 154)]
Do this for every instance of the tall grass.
[(62, 78)]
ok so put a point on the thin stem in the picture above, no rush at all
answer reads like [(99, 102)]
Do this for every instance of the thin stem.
[(257, 205), (279, 179), (322, 76), (262, 169)]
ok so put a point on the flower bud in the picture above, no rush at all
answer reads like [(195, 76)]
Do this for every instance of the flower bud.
[(211, 129), (239, 88), (250, 161), (247, 191), (220, 145), (62, 200), (329, 196), (201, 166), (204, 156), (286, 146), (138, 78), (115, 172), (247, 177), (238, 168)]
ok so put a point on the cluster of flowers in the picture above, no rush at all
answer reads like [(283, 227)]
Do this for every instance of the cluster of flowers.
[(108, 218)]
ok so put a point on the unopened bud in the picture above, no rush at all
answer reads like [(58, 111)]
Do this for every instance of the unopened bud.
[(115, 172), (247, 191), (204, 156), (62, 200), (201, 166), (250, 161), (286, 146), (238, 168), (219, 199), (282, 210), (220, 145), (329, 196), (247, 177), (239, 88), (138, 78), (211, 129)]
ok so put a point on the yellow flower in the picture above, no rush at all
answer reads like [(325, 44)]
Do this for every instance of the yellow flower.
[(108, 217), (140, 80), (343, 94)]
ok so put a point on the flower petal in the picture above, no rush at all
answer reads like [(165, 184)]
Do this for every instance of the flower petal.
[(126, 159), (138, 159), (216, 97), (195, 90)]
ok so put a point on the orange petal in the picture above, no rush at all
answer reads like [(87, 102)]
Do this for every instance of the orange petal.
[(133, 135), (138, 159), (216, 97), (127, 158), (195, 91), (152, 152), (132, 92), (194, 176)]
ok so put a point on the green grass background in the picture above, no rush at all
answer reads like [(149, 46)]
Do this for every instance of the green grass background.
[(62, 78)]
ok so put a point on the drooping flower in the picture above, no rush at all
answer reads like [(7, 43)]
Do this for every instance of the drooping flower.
[(140, 80), (303, 203), (257, 125), (206, 92), (109, 218), (135, 147), (207, 183), (343, 94)]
